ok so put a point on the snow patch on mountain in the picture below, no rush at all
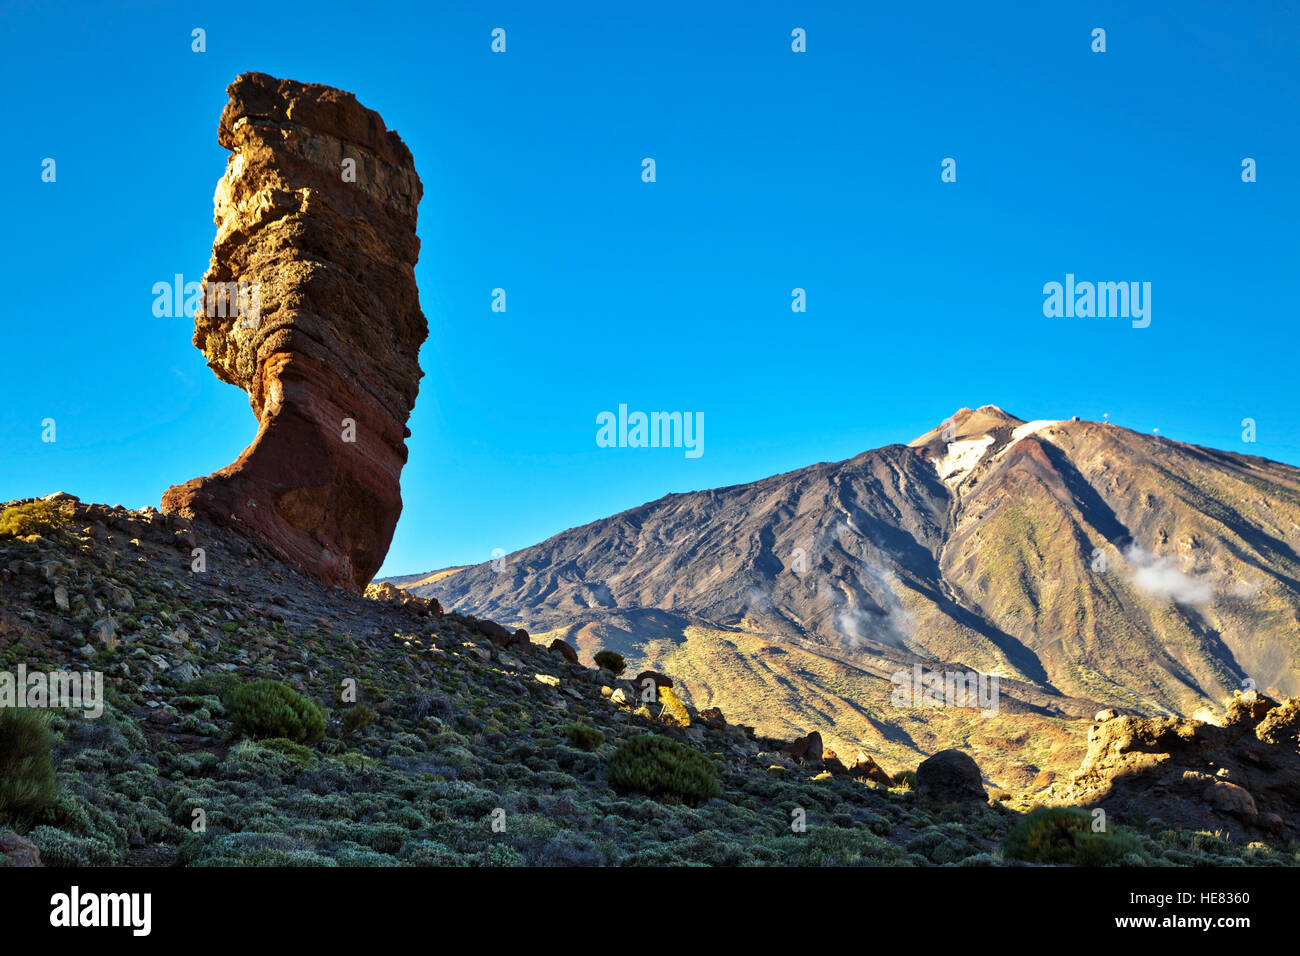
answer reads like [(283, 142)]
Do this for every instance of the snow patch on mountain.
[(961, 457), (1032, 428)]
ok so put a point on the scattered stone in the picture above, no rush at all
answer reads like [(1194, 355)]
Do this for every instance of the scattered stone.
[(120, 598), (185, 672), (61, 598)]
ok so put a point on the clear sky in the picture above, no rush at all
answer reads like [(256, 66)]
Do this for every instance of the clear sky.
[(775, 170)]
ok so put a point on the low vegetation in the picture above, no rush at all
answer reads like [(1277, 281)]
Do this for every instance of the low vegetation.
[(1068, 835), (584, 737), (35, 517), (240, 752), (267, 708), (659, 767), (27, 782)]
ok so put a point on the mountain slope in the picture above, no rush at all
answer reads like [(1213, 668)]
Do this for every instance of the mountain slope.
[(1082, 563)]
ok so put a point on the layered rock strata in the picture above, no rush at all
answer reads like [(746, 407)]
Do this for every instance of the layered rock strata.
[(310, 305)]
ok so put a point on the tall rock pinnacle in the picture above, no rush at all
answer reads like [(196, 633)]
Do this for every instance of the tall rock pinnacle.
[(316, 244)]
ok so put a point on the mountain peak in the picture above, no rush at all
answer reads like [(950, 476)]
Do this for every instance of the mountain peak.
[(966, 424)]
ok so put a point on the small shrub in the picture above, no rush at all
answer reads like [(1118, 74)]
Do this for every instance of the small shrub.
[(27, 784), (1065, 835), (659, 767), (356, 719), (35, 517), (612, 662), (584, 737), (267, 708), (221, 685), (673, 711), (295, 751)]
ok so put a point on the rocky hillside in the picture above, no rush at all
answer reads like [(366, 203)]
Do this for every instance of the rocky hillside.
[(1085, 564), (442, 739)]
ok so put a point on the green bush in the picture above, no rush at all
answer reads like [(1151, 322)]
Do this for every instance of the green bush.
[(673, 710), (220, 684), (612, 662), (584, 736), (267, 708), (27, 784), (35, 517), (1065, 835), (356, 719), (295, 751), (659, 767)]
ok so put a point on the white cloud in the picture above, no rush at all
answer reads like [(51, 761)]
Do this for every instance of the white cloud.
[(1161, 578)]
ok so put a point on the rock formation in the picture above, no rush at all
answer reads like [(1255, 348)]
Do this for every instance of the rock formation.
[(950, 776), (1242, 778), (310, 305), (806, 749)]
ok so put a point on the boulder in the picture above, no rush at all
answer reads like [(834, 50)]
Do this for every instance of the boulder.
[(864, 768), (18, 851), (564, 650), (950, 776), (498, 635), (310, 306), (805, 749), (383, 591), (1230, 798), (659, 680), (1281, 725), (712, 718), (832, 764)]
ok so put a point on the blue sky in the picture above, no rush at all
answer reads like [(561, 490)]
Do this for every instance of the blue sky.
[(775, 170)]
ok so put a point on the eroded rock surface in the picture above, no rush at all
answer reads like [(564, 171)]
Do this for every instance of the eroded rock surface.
[(1242, 778), (326, 335)]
